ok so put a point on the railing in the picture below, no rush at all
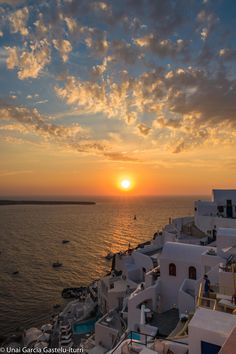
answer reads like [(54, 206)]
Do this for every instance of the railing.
[(213, 301), (203, 301), (207, 302), (147, 339), (135, 337), (199, 294)]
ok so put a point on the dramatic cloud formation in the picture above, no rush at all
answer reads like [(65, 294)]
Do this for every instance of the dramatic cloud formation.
[(162, 71), (29, 63), (32, 121)]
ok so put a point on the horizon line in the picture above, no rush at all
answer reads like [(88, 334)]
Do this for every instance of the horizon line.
[(73, 197)]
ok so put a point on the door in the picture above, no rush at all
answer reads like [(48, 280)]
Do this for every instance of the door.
[(209, 348), (229, 209)]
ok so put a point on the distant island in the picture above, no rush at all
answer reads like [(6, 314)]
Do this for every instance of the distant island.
[(44, 202)]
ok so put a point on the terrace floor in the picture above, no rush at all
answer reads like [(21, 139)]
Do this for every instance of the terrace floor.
[(166, 321)]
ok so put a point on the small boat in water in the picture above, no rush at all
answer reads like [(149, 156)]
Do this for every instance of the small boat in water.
[(65, 241), (56, 264), (15, 273), (56, 306)]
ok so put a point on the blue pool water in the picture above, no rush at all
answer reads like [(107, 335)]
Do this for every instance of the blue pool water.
[(85, 326), (134, 336)]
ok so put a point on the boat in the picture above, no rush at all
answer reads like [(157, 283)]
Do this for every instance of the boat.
[(15, 273), (56, 306), (57, 264), (65, 241)]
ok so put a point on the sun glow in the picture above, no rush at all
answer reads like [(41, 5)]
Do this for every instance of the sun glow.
[(125, 184)]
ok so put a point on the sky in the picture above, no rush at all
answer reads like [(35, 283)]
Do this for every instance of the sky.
[(93, 92)]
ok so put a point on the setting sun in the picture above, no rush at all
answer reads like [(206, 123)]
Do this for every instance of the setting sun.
[(125, 184)]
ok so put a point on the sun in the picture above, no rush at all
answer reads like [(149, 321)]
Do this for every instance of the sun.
[(125, 184)]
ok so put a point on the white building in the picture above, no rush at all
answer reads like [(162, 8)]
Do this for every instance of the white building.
[(182, 268), (220, 212), (152, 283), (208, 331)]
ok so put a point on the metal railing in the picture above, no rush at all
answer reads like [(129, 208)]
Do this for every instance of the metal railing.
[(135, 337), (132, 336)]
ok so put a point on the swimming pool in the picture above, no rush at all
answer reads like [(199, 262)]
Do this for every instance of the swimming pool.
[(134, 336), (85, 326)]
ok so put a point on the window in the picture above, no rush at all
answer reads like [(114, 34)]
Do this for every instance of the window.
[(172, 269), (220, 208), (209, 348), (192, 273)]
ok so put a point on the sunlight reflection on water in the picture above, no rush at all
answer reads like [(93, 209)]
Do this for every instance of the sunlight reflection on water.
[(31, 240)]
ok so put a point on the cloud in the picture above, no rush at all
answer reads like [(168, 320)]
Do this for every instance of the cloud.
[(16, 127), (100, 6), (12, 2), (211, 99), (163, 47), (179, 148), (227, 54), (18, 21), (91, 147), (41, 26), (96, 41), (124, 51), (25, 121), (120, 156), (207, 23), (98, 70), (64, 47), (71, 24), (93, 97), (41, 102), (12, 59), (14, 173), (163, 122), (33, 122), (159, 72), (143, 129), (30, 63)]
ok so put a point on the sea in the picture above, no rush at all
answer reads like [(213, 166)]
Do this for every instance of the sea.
[(31, 240)]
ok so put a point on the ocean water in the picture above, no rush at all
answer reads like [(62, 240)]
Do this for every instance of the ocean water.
[(31, 240)]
